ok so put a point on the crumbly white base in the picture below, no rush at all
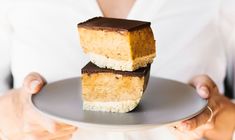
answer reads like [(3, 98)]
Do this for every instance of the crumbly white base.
[(119, 107), (129, 65)]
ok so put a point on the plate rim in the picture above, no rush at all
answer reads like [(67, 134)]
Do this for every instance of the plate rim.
[(124, 127)]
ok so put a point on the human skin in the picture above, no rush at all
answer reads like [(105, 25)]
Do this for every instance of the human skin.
[(221, 126), (223, 122), (19, 121)]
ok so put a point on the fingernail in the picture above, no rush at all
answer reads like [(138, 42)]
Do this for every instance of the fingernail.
[(52, 127), (204, 92), (185, 125), (34, 85)]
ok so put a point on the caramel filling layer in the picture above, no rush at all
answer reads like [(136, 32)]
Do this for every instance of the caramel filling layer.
[(115, 45), (105, 87)]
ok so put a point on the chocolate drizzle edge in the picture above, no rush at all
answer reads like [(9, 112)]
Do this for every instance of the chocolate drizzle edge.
[(113, 24), (91, 68)]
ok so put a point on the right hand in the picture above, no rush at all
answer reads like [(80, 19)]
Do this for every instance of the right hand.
[(216, 123), (19, 121)]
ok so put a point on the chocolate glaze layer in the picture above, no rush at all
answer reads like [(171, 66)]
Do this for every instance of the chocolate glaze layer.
[(92, 68), (113, 24)]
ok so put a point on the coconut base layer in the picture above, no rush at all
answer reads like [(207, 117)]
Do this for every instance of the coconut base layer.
[(119, 107), (129, 65)]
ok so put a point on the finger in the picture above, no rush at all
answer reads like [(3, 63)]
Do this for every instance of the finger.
[(203, 92), (35, 121), (62, 134), (30, 137), (195, 122), (44, 135), (203, 82), (33, 83), (44, 123), (35, 127), (63, 126), (178, 134), (64, 138), (185, 135)]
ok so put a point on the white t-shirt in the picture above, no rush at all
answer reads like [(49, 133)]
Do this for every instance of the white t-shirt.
[(41, 36)]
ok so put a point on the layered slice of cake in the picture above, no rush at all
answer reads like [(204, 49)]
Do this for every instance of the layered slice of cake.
[(118, 44), (112, 91)]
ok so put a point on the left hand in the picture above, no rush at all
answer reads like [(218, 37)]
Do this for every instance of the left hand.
[(19, 121), (222, 124)]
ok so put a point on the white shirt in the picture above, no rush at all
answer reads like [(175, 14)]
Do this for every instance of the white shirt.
[(41, 36)]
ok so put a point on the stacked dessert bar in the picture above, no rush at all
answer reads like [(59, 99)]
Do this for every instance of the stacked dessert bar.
[(121, 52)]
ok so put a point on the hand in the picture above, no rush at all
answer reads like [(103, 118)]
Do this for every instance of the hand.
[(18, 121), (222, 124)]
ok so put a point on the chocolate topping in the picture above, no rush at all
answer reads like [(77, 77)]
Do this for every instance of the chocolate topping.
[(92, 68), (113, 24)]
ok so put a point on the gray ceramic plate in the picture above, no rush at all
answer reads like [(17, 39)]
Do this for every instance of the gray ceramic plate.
[(165, 101)]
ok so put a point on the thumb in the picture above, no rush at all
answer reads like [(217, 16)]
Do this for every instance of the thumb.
[(204, 85), (33, 83), (203, 91)]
